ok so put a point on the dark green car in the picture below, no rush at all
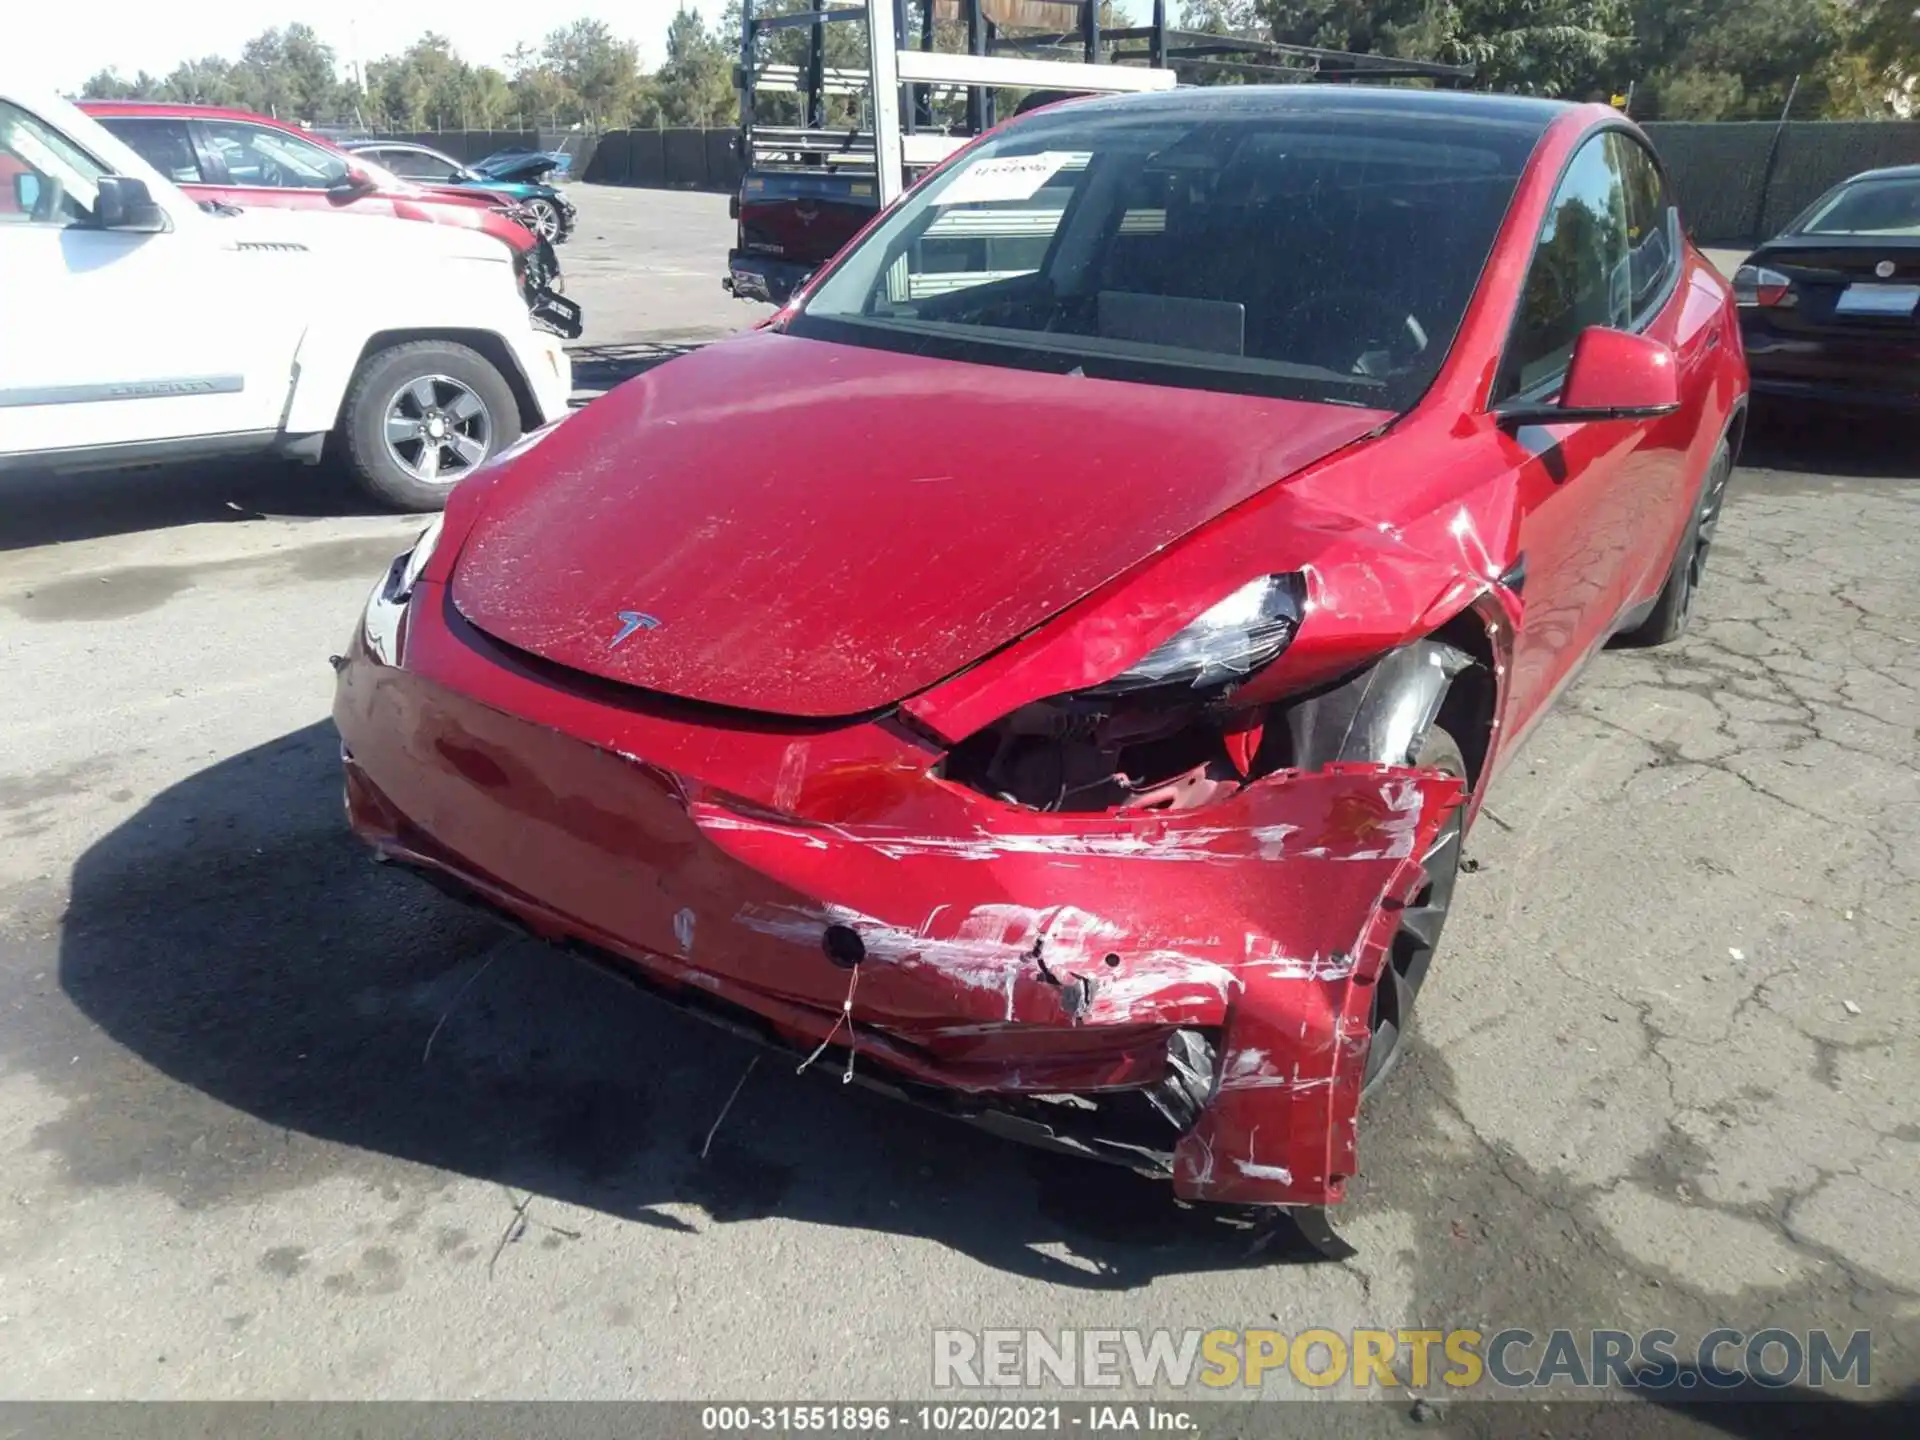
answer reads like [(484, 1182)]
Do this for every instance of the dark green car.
[(542, 207)]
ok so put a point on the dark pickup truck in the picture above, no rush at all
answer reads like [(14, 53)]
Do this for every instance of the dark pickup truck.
[(791, 223), (810, 187)]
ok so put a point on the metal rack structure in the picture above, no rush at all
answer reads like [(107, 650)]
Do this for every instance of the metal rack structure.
[(1055, 46)]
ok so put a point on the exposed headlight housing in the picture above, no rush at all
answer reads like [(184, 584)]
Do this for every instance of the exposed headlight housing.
[(387, 605), (1225, 645), (1160, 735)]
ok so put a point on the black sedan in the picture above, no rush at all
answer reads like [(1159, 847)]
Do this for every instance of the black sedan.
[(1830, 309)]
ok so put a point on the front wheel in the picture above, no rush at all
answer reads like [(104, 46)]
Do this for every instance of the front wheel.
[(422, 416), (1422, 920), (543, 218)]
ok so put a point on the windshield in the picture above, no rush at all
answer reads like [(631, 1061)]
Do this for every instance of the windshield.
[(1869, 207), (1288, 249)]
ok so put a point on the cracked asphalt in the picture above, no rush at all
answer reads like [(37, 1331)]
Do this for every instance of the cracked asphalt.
[(276, 1122)]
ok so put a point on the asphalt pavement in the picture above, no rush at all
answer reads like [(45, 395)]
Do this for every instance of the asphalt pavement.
[(277, 1122)]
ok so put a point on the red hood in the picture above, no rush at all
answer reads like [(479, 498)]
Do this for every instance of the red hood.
[(820, 530)]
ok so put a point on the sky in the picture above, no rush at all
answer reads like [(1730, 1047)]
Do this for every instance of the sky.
[(131, 35)]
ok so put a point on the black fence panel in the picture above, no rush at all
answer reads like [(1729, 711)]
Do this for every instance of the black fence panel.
[(686, 157), (1718, 173), (649, 165), (724, 171), (1817, 156), (608, 165), (1739, 183)]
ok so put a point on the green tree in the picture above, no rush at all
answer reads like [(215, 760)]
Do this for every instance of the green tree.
[(1740, 59), (597, 73), (208, 81), (539, 94), (1565, 48), (1220, 17), (109, 84), (695, 85), (290, 73), (429, 85), (1541, 47)]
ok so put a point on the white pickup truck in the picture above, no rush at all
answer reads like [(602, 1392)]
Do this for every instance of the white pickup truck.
[(137, 328)]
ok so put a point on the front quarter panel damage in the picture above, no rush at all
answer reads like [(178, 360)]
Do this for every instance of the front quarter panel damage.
[(1006, 954), (1265, 917)]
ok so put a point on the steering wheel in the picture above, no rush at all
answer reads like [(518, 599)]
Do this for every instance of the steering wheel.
[(1353, 330), (272, 174)]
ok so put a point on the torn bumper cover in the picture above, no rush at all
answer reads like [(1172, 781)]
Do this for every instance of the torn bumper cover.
[(1184, 992)]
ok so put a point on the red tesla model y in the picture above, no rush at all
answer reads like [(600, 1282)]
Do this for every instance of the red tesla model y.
[(1050, 668)]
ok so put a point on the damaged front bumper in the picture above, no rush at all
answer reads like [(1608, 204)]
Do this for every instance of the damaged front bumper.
[(1184, 992), (542, 286)]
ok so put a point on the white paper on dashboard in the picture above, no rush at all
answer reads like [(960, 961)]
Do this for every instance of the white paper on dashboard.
[(1011, 177)]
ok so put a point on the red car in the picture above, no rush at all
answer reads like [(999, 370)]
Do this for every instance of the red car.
[(239, 158), (1049, 670)]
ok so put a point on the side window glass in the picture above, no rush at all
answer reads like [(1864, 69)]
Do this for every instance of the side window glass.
[(418, 165), (258, 156), (45, 179), (163, 144), (1581, 274), (1652, 225)]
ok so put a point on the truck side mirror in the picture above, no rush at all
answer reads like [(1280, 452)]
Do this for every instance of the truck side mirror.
[(125, 203)]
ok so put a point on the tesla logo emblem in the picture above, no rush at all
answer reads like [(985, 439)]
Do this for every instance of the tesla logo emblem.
[(806, 213), (630, 621), (1885, 269)]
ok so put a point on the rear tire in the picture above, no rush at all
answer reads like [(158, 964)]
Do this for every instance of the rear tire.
[(1422, 921), (1668, 620), (461, 405)]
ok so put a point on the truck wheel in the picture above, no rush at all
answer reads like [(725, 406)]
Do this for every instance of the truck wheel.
[(422, 416)]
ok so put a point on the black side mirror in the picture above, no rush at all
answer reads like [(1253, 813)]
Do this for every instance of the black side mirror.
[(126, 204)]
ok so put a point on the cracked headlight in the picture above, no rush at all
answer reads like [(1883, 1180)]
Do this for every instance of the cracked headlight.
[(387, 605), (1225, 645)]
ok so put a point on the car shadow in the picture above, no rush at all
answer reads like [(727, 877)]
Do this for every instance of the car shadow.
[(44, 508), (1822, 444), (322, 1014), (598, 368), (1748, 1410)]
